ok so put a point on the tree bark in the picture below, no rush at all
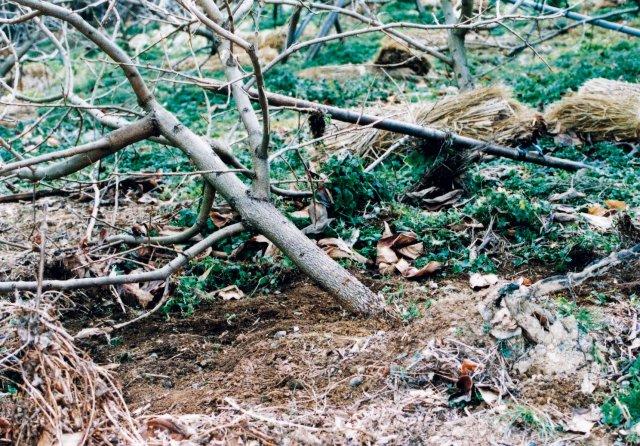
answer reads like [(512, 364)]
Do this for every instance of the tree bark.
[(455, 41), (265, 218)]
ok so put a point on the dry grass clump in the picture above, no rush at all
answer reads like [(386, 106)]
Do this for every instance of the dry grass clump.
[(393, 54), (335, 72), (488, 113), (62, 397), (601, 110)]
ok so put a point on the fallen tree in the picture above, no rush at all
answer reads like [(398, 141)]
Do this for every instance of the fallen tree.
[(252, 204)]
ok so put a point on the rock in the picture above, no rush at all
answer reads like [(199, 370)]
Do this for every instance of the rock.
[(356, 381), (280, 334)]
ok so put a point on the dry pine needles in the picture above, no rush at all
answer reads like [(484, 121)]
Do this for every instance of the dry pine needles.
[(62, 397)]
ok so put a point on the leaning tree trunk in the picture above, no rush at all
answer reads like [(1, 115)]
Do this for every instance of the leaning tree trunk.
[(252, 205), (265, 218)]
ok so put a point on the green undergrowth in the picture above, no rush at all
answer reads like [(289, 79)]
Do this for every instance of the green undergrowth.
[(537, 85), (622, 407)]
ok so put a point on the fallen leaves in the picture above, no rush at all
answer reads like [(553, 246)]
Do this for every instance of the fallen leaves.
[(258, 246), (142, 296), (337, 248), (479, 281), (231, 292), (394, 251)]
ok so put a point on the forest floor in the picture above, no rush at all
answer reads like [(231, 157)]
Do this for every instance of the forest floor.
[(276, 360), (292, 366)]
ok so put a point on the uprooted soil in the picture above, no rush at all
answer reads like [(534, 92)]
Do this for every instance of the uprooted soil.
[(300, 368)]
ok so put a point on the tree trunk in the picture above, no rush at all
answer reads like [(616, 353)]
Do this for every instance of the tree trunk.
[(265, 218), (455, 41)]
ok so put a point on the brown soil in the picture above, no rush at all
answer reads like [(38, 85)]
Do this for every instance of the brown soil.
[(236, 349)]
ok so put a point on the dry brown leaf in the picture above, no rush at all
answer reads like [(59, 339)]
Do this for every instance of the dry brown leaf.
[(143, 297), (221, 219), (427, 270), (596, 209), (617, 205), (255, 246), (468, 367), (230, 292), (339, 249), (412, 251), (384, 254)]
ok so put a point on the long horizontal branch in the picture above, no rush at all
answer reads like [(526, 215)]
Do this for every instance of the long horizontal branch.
[(580, 17), (406, 128), (105, 146), (567, 28), (159, 274)]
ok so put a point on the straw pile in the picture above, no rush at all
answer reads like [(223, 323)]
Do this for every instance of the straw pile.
[(63, 398), (393, 55), (488, 114), (601, 110)]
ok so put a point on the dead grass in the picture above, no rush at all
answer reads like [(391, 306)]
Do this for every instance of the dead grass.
[(488, 113), (601, 110), (63, 397)]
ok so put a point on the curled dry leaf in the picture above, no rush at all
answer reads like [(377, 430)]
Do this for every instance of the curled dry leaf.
[(394, 251), (468, 367), (337, 248), (617, 205), (441, 201), (230, 292), (319, 216), (479, 281), (143, 297), (411, 272), (255, 246), (221, 219), (598, 221)]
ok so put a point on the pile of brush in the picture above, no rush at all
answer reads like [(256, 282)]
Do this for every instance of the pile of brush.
[(488, 113), (62, 397), (601, 110)]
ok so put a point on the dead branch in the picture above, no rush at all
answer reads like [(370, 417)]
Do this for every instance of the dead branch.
[(405, 128), (579, 17)]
